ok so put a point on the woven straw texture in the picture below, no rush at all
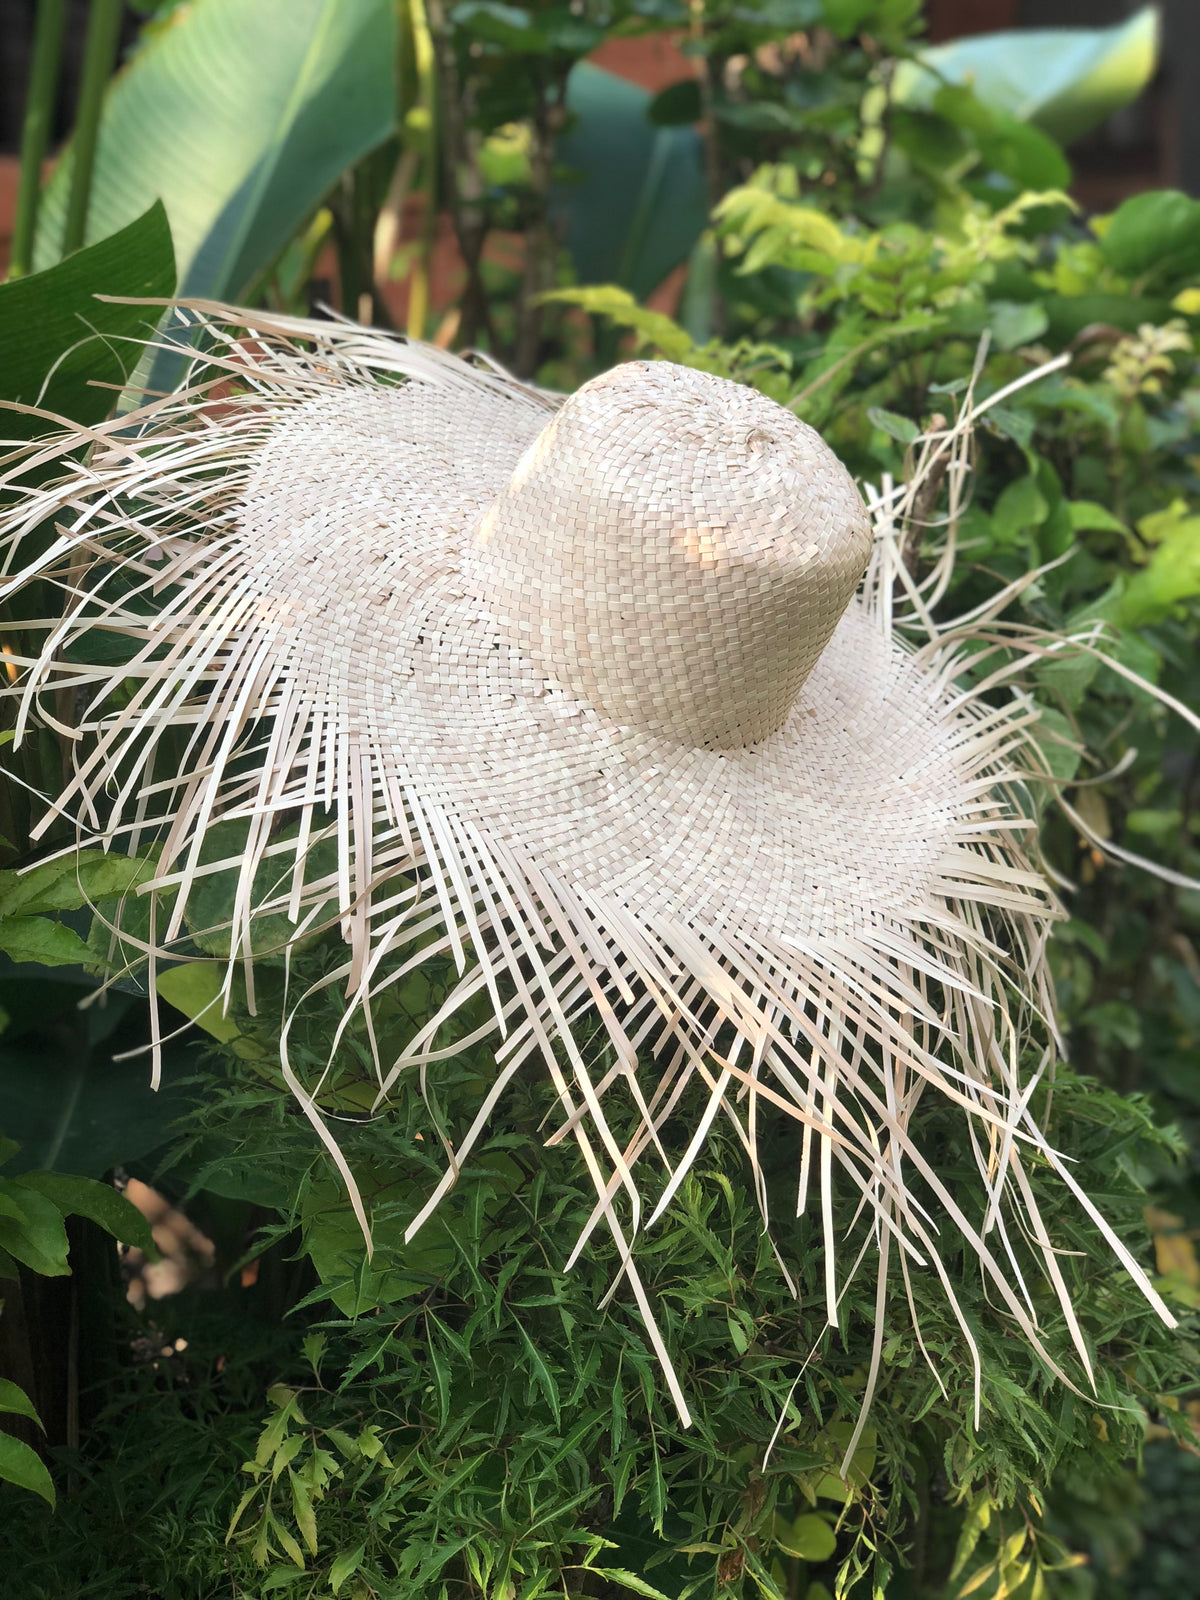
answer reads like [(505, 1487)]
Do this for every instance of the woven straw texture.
[(585, 698)]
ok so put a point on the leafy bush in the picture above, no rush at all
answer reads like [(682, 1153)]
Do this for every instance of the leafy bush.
[(458, 1416), (462, 1419)]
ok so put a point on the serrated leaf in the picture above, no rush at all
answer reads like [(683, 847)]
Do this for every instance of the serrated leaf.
[(313, 1348), (288, 1450), (345, 1566), (629, 1580), (290, 1547), (247, 1497), (542, 1375), (279, 1578), (344, 1443), (975, 1523), (37, 939), (302, 1507), (71, 882)]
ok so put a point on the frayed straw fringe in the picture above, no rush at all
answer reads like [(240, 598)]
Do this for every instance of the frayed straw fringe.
[(840, 1025)]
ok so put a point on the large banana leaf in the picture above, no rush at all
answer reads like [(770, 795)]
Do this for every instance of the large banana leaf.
[(635, 202), (239, 115), (1063, 80)]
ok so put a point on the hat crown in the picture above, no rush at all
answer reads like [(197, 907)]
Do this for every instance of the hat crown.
[(676, 549)]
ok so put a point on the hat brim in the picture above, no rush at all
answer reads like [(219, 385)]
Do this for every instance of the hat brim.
[(828, 923)]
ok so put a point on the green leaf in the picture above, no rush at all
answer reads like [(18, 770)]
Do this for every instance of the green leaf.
[(70, 882), (1063, 80), (628, 1580), (1172, 575), (1058, 743), (1021, 506), (676, 106), (1156, 233), (334, 1243), (810, 1537), (541, 1374), (1070, 314), (1114, 1019), (975, 1524), (99, 1202), (976, 1580), (71, 1106), (345, 1566), (302, 1506), (1162, 826), (1014, 424), (1023, 154), (16, 1402), (52, 320), (633, 202), (902, 429), (239, 115), (49, 944), (1088, 516), (194, 987), (1014, 324), (280, 1578), (37, 1238), (654, 329), (20, 1464)]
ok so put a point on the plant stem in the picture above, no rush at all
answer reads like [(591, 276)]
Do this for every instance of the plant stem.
[(35, 134), (99, 56), (427, 133), (458, 144), (541, 245)]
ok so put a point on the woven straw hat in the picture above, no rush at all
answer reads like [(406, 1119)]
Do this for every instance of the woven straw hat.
[(592, 696)]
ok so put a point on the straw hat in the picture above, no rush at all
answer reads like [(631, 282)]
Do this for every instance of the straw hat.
[(587, 695)]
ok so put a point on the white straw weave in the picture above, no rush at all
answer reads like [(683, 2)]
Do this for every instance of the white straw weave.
[(592, 708)]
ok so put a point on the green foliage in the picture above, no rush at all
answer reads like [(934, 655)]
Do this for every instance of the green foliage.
[(875, 327), (239, 115), (68, 352), (72, 1108), (463, 1419), (1068, 83), (632, 196), (33, 1212), (455, 1415)]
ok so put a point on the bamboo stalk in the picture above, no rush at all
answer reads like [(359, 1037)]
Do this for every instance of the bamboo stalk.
[(35, 134), (99, 56)]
